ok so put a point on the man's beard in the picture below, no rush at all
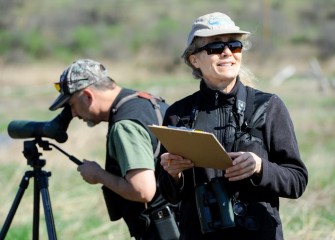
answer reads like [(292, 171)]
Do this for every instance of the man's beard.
[(90, 123)]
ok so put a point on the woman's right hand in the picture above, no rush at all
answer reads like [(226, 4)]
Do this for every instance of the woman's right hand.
[(175, 164)]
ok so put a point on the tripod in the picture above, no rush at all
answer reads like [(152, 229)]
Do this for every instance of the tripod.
[(40, 187)]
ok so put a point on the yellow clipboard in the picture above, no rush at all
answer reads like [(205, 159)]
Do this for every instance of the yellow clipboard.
[(202, 148)]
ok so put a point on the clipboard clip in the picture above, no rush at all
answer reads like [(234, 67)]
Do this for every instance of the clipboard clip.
[(181, 128)]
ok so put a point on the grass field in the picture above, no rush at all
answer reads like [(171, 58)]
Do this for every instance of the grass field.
[(79, 209)]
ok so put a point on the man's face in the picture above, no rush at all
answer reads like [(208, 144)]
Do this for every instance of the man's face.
[(81, 107)]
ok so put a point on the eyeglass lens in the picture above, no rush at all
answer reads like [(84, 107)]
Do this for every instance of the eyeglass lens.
[(218, 47), (57, 86)]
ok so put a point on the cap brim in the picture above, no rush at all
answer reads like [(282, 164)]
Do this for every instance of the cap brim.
[(214, 32), (59, 102)]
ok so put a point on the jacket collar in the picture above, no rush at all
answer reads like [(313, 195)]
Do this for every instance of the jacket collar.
[(215, 97)]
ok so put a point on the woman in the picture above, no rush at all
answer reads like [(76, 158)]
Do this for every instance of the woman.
[(255, 129)]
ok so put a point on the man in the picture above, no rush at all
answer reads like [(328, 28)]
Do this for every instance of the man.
[(129, 182)]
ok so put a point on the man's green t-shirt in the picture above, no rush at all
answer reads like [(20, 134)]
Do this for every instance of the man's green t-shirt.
[(130, 145)]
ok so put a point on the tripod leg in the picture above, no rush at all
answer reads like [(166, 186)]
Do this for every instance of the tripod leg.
[(36, 211), (43, 185), (23, 186)]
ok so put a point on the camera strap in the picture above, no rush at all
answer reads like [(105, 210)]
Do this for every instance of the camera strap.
[(194, 182)]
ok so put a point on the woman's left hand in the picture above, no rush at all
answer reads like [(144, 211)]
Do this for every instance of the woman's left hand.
[(245, 164)]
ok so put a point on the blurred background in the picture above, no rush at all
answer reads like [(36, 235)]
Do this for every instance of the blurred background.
[(140, 43)]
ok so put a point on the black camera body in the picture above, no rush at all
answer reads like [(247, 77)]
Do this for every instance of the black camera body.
[(165, 223), (214, 206)]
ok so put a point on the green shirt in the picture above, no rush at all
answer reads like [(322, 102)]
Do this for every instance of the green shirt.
[(130, 145)]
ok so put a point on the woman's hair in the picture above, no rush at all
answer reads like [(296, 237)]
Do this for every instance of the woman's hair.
[(246, 76)]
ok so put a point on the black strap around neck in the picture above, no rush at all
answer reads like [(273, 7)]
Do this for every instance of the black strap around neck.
[(250, 103)]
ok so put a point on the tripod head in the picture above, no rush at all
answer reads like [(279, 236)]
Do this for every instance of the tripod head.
[(33, 156), (31, 153)]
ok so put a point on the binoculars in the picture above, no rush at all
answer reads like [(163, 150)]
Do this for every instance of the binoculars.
[(214, 206)]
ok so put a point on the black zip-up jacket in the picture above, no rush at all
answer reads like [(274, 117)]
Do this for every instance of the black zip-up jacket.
[(283, 172)]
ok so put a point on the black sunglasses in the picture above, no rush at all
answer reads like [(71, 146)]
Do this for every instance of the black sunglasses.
[(234, 46)]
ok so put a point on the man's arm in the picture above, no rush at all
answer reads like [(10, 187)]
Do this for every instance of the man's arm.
[(130, 145), (138, 184)]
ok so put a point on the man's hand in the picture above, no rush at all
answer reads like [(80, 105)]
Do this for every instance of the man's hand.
[(90, 171)]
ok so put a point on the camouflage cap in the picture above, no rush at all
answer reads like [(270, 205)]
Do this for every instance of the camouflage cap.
[(213, 24), (79, 75)]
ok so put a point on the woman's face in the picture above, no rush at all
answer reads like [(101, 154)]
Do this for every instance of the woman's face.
[(219, 71)]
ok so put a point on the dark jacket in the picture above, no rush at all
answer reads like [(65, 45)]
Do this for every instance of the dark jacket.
[(283, 172)]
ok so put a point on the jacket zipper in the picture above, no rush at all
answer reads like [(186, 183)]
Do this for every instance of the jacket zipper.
[(216, 99)]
